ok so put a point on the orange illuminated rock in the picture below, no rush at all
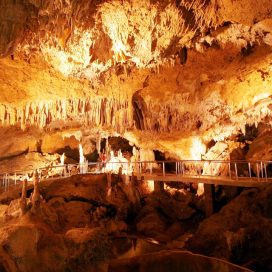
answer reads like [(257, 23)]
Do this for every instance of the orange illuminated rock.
[(158, 73)]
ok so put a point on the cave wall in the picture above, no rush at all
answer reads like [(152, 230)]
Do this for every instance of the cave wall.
[(159, 73)]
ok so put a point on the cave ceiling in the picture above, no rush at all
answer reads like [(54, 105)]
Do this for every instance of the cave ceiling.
[(158, 73)]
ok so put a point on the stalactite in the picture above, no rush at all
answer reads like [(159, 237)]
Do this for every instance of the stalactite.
[(117, 113)]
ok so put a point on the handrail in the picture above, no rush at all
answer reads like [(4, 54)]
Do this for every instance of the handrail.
[(210, 168), (155, 161)]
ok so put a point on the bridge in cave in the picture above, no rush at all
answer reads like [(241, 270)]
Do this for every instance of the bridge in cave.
[(206, 174), (215, 172)]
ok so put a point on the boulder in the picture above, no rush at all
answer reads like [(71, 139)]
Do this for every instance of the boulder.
[(161, 210), (175, 230), (32, 247), (173, 204), (76, 214), (241, 232), (88, 188), (87, 247), (115, 226), (119, 197), (71, 214), (152, 224)]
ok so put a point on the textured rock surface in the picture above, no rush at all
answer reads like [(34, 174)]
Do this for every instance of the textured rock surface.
[(172, 261), (60, 233), (139, 69), (78, 187), (33, 246), (241, 230), (172, 76), (76, 227), (163, 210)]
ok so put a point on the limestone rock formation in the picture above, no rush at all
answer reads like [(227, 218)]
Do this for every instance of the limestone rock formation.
[(33, 247), (237, 233), (23, 197), (87, 247), (185, 79), (174, 261), (137, 69), (161, 211), (36, 197), (260, 149), (64, 230)]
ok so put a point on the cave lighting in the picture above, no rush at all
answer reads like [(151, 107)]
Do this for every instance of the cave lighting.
[(115, 163), (200, 189), (260, 96), (62, 158), (150, 185), (83, 163), (197, 149)]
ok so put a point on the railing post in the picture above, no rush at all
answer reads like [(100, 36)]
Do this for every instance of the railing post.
[(265, 171), (258, 174), (163, 169), (236, 172), (7, 182), (181, 168), (249, 169), (262, 174), (229, 170)]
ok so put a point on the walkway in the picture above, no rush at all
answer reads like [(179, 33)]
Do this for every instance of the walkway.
[(234, 173)]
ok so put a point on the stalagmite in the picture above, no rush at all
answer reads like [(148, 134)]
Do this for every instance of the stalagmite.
[(200, 189), (36, 197), (62, 158), (83, 163), (98, 144), (23, 203)]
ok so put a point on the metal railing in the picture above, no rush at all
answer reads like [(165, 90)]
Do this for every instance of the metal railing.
[(232, 170)]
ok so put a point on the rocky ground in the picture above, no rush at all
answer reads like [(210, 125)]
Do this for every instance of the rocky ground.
[(85, 222)]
